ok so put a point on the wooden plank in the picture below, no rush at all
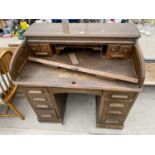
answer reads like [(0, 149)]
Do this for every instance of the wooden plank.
[(73, 59), (150, 74), (86, 70)]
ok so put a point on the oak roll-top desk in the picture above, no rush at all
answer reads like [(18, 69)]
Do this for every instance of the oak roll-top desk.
[(110, 48)]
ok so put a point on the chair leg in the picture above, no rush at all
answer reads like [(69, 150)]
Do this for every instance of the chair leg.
[(19, 114)]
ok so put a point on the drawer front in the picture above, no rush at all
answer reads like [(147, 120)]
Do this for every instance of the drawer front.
[(125, 50), (118, 51), (46, 115), (45, 50), (40, 49), (117, 107), (35, 90), (70, 90), (112, 51), (38, 97), (112, 119), (34, 48), (41, 101), (128, 96)]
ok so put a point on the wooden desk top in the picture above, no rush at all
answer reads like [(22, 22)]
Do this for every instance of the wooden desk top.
[(39, 75), (125, 30)]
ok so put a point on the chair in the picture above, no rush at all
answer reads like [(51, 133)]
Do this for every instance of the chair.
[(7, 88)]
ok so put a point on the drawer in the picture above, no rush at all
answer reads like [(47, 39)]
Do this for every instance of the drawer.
[(116, 107), (71, 90), (112, 51), (112, 119), (119, 96), (34, 48), (41, 101), (35, 90), (46, 115), (45, 50), (118, 51), (40, 49), (125, 50)]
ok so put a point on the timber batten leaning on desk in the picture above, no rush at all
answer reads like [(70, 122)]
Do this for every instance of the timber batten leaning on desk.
[(110, 48)]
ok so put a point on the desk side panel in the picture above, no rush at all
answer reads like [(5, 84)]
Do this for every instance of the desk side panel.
[(138, 62), (18, 60)]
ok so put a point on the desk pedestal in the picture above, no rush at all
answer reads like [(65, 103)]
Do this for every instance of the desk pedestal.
[(112, 107)]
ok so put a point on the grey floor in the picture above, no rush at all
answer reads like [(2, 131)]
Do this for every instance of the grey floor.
[(147, 44), (80, 117)]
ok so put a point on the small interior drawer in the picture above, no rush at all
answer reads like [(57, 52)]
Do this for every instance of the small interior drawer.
[(112, 49), (118, 51), (46, 49), (40, 49), (126, 49), (34, 48)]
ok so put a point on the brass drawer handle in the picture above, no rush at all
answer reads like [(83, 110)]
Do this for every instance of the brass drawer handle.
[(33, 49), (41, 53), (113, 49), (39, 99), (111, 121), (116, 105), (46, 115), (35, 92), (125, 50), (44, 48), (42, 106), (119, 96), (117, 112)]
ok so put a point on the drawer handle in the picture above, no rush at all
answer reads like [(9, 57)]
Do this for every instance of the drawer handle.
[(126, 50), (41, 53), (115, 112), (46, 115), (117, 105), (110, 121), (33, 49), (35, 92), (44, 48), (39, 99), (120, 96), (42, 106), (113, 49)]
